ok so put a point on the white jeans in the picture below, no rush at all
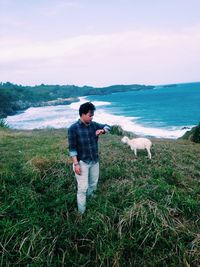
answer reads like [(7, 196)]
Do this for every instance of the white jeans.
[(86, 183)]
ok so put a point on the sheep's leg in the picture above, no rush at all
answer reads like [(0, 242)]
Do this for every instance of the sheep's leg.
[(149, 153), (135, 152)]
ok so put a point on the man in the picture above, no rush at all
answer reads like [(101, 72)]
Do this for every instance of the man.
[(83, 148)]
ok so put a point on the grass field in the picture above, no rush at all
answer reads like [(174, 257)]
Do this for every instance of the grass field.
[(145, 212)]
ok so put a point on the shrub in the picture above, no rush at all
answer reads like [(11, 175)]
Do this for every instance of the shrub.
[(3, 124), (193, 135), (117, 130), (196, 134)]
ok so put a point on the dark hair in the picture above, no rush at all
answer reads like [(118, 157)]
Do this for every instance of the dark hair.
[(86, 107)]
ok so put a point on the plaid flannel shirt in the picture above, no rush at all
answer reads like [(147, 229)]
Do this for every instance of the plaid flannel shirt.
[(83, 141)]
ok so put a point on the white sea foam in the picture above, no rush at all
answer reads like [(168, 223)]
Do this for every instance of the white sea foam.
[(76, 105), (130, 124), (84, 99), (60, 116), (43, 117), (64, 115)]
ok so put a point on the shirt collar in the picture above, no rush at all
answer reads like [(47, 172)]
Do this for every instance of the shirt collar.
[(83, 124)]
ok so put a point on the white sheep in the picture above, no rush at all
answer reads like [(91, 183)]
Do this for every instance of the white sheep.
[(138, 143)]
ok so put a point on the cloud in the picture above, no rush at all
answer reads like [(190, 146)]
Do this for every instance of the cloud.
[(108, 44), (129, 55)]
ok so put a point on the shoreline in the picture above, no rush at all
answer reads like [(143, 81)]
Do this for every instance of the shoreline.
[(64, 115)]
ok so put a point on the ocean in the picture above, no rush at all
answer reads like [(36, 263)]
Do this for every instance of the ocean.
[(164, 112)]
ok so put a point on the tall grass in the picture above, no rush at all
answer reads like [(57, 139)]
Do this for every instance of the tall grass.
[(145, 212)]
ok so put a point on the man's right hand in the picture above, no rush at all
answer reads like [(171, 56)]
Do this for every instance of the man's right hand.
[(77, 169)]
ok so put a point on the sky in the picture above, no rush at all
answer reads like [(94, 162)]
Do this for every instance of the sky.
[(99, 42)]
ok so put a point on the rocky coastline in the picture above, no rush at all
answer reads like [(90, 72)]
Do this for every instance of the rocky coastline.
[(19, 105)]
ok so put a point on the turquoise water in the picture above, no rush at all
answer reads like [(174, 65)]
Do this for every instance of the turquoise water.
[(160, 107)]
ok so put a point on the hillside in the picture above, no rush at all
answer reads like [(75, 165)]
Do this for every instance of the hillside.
[(14, 97), (193, 134), (145, 213)]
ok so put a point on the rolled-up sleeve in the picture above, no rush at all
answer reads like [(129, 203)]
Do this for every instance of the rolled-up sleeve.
[(72, 141), (107, 128)]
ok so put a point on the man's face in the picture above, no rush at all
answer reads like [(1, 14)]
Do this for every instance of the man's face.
[(87, 118)]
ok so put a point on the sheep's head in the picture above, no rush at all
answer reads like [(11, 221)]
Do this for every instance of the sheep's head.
[(125, 139)]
